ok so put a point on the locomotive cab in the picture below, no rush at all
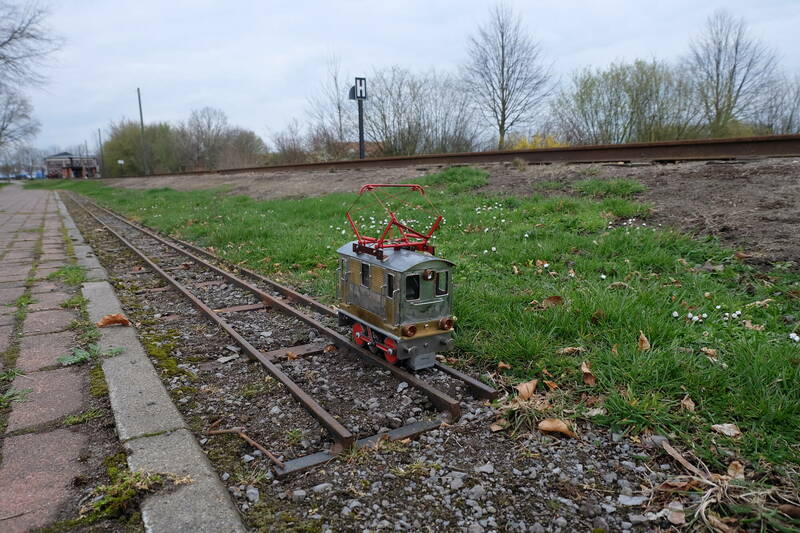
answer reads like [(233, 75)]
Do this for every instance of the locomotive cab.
[(399, 304)]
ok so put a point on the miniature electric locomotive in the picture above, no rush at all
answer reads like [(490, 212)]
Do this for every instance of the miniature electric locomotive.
[(394, 292)]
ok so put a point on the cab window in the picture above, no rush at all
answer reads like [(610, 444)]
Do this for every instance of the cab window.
[(365, 274), (412, 287), (441, 283), (389, 285)]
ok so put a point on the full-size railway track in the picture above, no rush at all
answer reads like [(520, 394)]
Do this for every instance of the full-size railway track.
[(665, 151), (181, 265)]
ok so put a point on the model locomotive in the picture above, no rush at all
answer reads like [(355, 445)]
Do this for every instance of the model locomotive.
[(394, 292)]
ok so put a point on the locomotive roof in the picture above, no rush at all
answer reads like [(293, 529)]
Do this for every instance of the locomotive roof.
[(397, 260)]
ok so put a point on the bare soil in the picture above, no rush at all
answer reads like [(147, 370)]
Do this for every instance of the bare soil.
[(750, 205)]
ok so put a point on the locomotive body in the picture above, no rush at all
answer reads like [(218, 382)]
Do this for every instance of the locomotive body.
[(398, 302)]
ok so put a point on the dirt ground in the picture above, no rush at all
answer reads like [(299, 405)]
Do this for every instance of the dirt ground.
[(750, 205)]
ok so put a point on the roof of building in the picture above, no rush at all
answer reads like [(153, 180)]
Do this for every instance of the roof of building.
[(61, 155), (395, 259)]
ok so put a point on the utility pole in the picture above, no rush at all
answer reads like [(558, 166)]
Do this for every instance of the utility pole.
[(102, 159), (141, 132)]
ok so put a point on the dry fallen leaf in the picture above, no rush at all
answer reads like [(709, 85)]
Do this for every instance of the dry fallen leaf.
[(711, 352), (110, 320), (552, 385), (761, 303), (570, 350), (750, 325), (555, 425), (291, 356), (137, 268), (588, 377), (741, 255), (527, 389), (499, 425), (644, 344), (571, 273), (503, 366), (186, 266), (730, 430), (687, 403), (595, 411), (675, 513), (515, 269), (719, 525), (789, 510), (541, 262), (736, 470), (618, 285), (329, 348), (552, 301), (614, 349)]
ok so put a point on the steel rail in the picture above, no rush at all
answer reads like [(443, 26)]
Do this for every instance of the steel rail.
[(663, 151), (440, 399), (477, 387), (341, 434)]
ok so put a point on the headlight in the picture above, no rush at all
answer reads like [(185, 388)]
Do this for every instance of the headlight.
[(446, 323), (409, 331)]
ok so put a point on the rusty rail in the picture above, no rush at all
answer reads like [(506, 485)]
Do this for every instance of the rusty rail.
[(664, 151)]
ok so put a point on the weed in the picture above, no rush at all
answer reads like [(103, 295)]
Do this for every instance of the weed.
[(82, 417), (14, 396), (24, 301), (600, 188), (76, 301), (9, 375), (294, 436), (86, 330), (456, 179), (519, 164), (80, 355), (69, 274), (414, 469)]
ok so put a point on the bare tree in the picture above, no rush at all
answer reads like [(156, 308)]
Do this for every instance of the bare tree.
[(636, 102), (331, 115), (17, 124), (289, 145), (25, 41), (779, 110), (730, 69), (205, 134), (505, 73)]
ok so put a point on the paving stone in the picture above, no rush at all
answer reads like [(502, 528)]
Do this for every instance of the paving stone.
[(39, 351), (43, 271), (11, 284), (102, 299), (7, 317), (21, 276), (199, 507), (54, 393), (44, 286), (48, 300), (36, 477), (5, 337), (10, 295), (47, 321)]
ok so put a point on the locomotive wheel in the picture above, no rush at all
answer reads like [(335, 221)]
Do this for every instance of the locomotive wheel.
[(359, 336), (391, 356)]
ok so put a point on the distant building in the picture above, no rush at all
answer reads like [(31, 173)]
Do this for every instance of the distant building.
[(67, 165)]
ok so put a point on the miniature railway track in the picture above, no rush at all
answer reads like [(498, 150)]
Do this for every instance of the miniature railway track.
[(180, 264), (665, 151)]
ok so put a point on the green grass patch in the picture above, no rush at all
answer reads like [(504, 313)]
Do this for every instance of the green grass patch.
[(600, 188), (69, 274), (547, 185), (456, 180), (615, 282), (97, 381), (76, 301), (83, 417)]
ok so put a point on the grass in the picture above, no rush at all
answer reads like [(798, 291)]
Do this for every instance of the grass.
[(69, 274), (615, 282), (13, 396), (83, 417), (599, 188)]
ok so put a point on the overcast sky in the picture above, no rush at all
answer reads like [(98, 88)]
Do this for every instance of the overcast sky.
[(259, 61)]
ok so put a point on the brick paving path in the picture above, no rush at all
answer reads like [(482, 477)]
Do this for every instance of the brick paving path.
[(40, 459)]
